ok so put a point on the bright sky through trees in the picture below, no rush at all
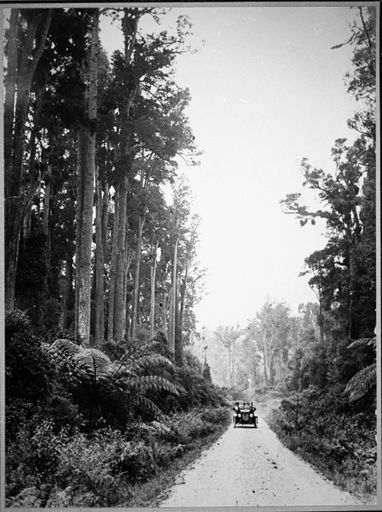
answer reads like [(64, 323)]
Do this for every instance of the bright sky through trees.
[(266, 91)]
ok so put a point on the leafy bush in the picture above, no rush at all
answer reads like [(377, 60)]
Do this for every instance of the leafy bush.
[(28, 368), (218, 416), (91, 464), (32, 457), (322, 428), (82, 470), (196, 424), (137, 461)]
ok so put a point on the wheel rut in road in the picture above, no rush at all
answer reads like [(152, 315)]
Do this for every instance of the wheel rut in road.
[(251, 467)]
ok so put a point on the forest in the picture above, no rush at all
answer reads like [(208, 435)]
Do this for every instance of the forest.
[(105, 397)]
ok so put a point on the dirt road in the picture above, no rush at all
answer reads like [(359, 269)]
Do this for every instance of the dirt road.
[(250, 467)]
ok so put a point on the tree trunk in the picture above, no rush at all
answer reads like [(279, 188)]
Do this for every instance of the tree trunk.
[(110, 324), (88, 136), (79, 207), (67, 292), (126, 278), (83, 265), (14, 211), (164, 313), (13, 200), (99, 258), (45, 227), (105, 214), (119, 310), (153, 270), (180, 317), (27, 224), (134, 320), (47, 194), (178, 342), (10, 90), (173, 300), (21, 68)]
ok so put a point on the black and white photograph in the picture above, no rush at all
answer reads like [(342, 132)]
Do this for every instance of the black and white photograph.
[(190, 225)]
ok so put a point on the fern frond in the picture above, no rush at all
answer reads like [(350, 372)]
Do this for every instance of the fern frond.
[(152, 344), (148, 404), (120, 369), (94, 363), (361, 383), (66, 347), (155, 383), (151, 361), (363, 342)]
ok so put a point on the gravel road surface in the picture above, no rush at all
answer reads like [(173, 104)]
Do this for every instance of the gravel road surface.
[(250, 467)]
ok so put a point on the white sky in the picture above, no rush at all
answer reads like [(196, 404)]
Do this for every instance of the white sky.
[(266, 91)]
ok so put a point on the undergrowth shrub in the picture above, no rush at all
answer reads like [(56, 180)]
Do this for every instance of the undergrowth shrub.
[(32, 457), (326, 432), (137, 461), (28, 368), (91, 464), (99, 469)]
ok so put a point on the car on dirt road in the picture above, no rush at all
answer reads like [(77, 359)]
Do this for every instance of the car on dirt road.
[(244, 414)]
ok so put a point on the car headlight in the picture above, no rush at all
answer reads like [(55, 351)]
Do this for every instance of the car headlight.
[(251, 415), (239, 415)]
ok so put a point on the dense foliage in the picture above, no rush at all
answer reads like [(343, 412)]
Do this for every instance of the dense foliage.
[(333, 435), (83, 427)]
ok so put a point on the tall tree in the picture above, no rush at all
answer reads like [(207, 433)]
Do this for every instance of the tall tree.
[(85, 191), (26, 38)]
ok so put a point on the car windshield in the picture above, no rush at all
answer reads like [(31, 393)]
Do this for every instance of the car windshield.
[(241, 404)]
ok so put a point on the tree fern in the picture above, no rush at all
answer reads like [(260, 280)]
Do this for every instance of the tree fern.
[(151, 361), (144, 383), (363, 342), (130, 375), (361, 383), (66, 347), (93, 363), (89, 361), (149, 405)]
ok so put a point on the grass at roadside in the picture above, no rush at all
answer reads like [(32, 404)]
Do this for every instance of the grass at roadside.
[(342, 448), (153, 492)]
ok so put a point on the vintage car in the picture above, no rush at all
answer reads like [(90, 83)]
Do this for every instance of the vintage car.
[(244, 414)]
